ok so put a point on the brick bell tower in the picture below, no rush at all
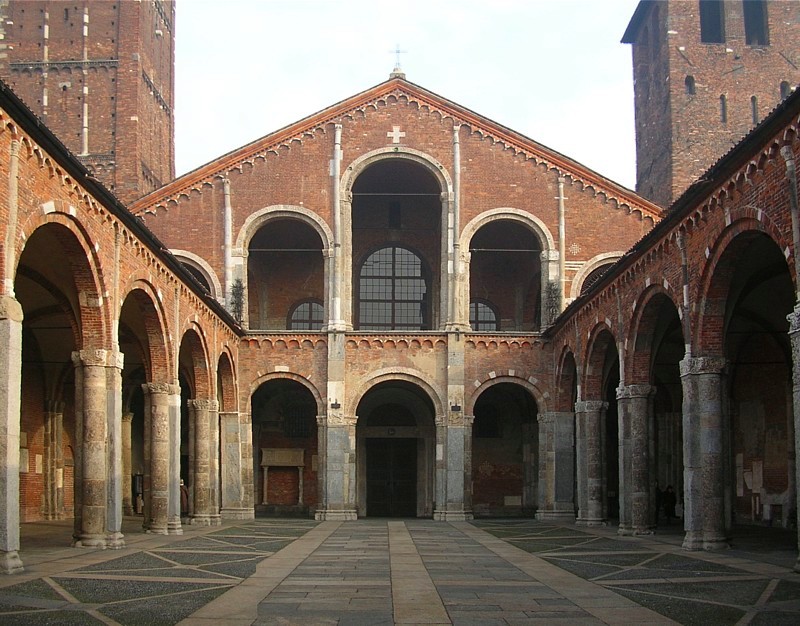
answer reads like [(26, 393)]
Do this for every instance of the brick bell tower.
[(705, 73), (100, 74)]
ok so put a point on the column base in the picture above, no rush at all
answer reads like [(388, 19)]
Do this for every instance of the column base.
[(90, 541), (591, 522), (625, 531), (202, 520), (231, 513), (345, 515), (644, 530), (174, 527), (452, 516), (692, 540), (715, 543), (797, 565), (10, 563)]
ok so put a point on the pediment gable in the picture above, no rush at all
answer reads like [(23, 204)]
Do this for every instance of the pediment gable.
[(396, 89)]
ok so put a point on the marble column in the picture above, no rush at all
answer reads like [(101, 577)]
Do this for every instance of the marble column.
[(593, 412), (127, 468), (794, 337), (98, 524), (54, 460), (213, 465), (633, 402), (580, 466), (703, 463), (556, 441), (157, 398), (202, 409), (10, 384), (451, 467), (340, 474), (174, 526)]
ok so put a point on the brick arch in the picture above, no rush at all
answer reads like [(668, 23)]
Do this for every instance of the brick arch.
[(566, 379), (357, 167), (588, 267), (226, 382), (708, 334), (157, 356), (390, 375), (594, 360), (91, 309), (531, 222), (539, 397), (266, 378), (642, 329), (259, 218), (200, 369), (204, 267)]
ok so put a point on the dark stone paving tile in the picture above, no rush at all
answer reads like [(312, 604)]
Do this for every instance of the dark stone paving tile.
[(133, 562), (584, 570), (786, 590), (102, 591), (736, 592), (51, 618), (775, 618), (205, 558), (683, 611), (33, 589), (685, 564), (170, 611), (240, 569)]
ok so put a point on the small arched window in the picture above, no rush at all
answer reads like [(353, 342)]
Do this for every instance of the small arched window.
[(690, 86), (754, 108), (483, 317), (786, 89), (306, 315), (723, 109)]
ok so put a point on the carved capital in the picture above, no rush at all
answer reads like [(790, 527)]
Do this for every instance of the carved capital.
[(625, 392), (590, 406), (158, 388), (202, 404), (337, 419), (10, 309), (127, 417), (693, 366), (98, 357)]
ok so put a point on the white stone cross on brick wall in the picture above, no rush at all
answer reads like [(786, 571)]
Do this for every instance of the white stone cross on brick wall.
[(396, 134)]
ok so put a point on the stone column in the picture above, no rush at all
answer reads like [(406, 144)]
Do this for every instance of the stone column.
[(54, 460), (10, 384), (452, 456), (174, 526), (114, 429), (340, 474), (703, 466), (231, 488), (634, 421), (99, 524), (794, 337), (580, 465), (593, 412), (214, 464), (202, 479), (557, 429), (127, 476), (157, 399)]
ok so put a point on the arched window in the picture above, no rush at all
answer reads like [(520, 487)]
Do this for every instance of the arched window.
[(393, 291), (754, 108), (306, 315), (723, 109), (690, 86), (483, 317), (786, 89)]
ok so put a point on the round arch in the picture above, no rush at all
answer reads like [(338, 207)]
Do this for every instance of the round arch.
[(155, 325), (539, 397), (357, 167), (266, 378), (395, 374), (193, 338), (588, 267), (531, 222), (566, 380), (600, 339), (258, 218), (642, 329), (226, 382), (203, 267)]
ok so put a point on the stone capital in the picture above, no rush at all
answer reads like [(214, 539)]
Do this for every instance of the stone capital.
[(98, 357), (159, 388), (337, 419), (625, 392), (590, 406), (127, 417), (10, 309), (202, 404), (546, 418), (702, 365)]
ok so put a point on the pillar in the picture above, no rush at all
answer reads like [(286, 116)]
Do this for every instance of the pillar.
[(214, 465), (98, 519), (593, 413), (580, 466), (340, 474), (557, 431), (174, 526), (157, 408), (233, 498), (703, 463), (10, 385), (633, 402), (453, 459), (54, 460), (794, 337), (201, 488), (127, 467)]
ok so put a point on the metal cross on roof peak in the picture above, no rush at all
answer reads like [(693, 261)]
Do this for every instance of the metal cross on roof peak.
[(397, 52)]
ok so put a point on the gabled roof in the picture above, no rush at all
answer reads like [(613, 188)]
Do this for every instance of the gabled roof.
[(397, 86)]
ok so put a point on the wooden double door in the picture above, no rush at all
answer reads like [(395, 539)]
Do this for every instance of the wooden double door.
[(391, 477)]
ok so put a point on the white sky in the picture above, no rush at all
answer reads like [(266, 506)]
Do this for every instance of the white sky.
[(553, 70)]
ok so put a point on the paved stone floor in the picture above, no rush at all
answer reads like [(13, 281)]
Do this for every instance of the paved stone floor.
[(277, 571)]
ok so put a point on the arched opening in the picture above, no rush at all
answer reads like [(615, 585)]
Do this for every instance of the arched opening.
[(506, 273), (284, 265), (760, 462), (396, 241), (504, 451), (396, 439), (285, 448), (594, 276)]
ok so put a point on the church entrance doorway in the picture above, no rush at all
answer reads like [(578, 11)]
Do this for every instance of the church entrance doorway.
[(396, 440), (392, 477)]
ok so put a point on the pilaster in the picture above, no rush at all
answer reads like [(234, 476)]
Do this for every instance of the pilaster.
[(202, 410), (556, 463), (340, 476), (593, 412), (234, 503), (453, 462)]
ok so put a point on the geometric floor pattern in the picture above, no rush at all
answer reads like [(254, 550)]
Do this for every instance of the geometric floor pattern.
[(688, 587), (158, 586)]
